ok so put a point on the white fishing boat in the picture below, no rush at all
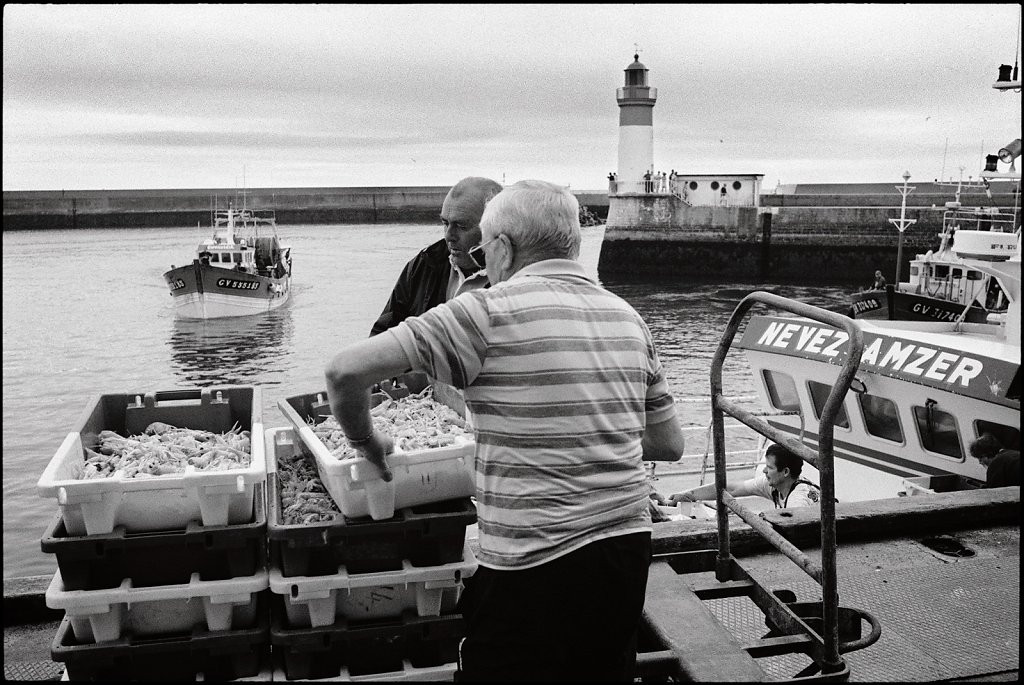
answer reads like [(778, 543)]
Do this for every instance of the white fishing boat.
[(242, 269), (956, 282), (925, 389)]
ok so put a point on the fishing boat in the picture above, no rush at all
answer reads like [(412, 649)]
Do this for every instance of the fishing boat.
[(957, 281), (242, 269)]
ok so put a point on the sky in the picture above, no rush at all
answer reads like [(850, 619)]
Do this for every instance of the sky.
[(226, 96)]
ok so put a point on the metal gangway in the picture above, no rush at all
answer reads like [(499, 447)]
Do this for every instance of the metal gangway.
[(690, 643)]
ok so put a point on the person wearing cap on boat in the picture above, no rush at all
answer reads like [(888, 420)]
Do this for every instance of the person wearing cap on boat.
[(780, 482), (879, 283), (1002, 466), (569, 398)]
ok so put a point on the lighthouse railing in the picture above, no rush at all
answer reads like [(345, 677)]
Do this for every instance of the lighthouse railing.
[(652, 187)]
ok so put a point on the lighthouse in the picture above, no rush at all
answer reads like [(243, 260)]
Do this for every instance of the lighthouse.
[(636, 130)]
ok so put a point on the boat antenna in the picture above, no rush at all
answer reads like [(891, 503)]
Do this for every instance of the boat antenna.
[(944, 151)]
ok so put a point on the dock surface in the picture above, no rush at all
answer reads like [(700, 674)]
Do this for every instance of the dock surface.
[(944, 617)]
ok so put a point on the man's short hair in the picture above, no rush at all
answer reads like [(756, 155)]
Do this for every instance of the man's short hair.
[(541, 219), (985, 447), (785, 459)]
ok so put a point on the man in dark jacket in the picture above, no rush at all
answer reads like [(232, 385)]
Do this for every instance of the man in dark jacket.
[(444, 269)]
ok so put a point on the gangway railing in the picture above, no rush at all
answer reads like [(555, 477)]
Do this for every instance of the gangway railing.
[(825, 573), (675, 619)]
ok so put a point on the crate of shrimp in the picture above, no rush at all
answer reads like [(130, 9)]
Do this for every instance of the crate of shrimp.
[(432, 461), (158, 460), (313, 538)]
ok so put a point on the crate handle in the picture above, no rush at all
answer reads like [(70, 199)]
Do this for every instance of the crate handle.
[(204, 395)]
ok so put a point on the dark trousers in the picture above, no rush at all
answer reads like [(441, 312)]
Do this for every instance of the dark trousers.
[(572, 619)]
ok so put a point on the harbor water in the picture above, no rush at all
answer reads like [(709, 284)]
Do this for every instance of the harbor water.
[(87, 312)]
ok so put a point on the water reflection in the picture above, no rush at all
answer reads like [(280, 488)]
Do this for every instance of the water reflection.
[(237, 351)]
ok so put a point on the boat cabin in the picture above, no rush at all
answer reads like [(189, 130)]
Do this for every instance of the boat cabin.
[(955, 282)]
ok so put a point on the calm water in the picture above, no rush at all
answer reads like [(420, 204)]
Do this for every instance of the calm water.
[(87, 312)]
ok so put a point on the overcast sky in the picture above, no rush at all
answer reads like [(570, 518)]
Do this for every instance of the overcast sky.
[(193, 96)]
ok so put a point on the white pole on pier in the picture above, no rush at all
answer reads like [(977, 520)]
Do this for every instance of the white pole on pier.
[(902, 224)]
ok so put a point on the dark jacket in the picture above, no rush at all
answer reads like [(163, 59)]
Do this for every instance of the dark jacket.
[(1004, 470), (422, 285)]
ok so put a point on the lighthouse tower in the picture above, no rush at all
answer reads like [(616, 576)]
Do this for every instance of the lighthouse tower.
[(636, 130)]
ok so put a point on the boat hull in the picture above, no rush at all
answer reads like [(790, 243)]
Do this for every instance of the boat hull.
[(207, 292), (893, 305)]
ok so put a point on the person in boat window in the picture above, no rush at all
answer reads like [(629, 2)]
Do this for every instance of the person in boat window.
[(880, 282), (780, 482), (1002, 466), (561, 437)]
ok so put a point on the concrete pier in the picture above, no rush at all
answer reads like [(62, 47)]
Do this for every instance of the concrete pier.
[(70, 209), (805, 238)]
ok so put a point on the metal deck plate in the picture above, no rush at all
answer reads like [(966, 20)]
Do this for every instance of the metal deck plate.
[(957, 620), (22, 653)]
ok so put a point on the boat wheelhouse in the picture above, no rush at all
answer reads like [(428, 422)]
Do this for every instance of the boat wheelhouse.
[(242, 269)]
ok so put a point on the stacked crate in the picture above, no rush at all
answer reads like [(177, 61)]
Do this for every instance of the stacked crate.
[(162, 577), (370, 595)]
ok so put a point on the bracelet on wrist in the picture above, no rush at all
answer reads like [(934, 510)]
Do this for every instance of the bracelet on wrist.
[(359, 442)]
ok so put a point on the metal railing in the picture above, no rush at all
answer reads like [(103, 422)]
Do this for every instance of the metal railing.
[(654, 186), (825, 573)]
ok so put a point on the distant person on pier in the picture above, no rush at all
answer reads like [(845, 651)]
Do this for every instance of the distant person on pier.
[(564, 422), (880, 281), (780, 482), (648, 184), (1002, 466)]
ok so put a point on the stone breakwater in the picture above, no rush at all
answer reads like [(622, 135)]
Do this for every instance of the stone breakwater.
[(805, 239), (69, 209)]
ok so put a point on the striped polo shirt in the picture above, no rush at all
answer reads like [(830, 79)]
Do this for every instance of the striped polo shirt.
[(561, 377)]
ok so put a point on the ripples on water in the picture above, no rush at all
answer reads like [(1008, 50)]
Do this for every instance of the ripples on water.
[(87, 312)]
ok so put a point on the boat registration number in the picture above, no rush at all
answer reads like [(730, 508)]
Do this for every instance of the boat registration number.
[(177, 284), (237, 285)]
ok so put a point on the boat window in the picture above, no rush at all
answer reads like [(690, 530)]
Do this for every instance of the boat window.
[(914, 271), (937, 430), (880, 417), (958, 273), (781, 391), (215, 257), (819, 395), (941, 271), (973, 275), (1008, 436), (238, 257)]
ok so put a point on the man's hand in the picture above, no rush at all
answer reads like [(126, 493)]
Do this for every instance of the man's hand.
[(684, 496), (375, 451)]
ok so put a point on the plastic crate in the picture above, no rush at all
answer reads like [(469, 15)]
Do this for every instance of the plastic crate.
[(316, 601), (199, 655), (426, 535), (217, 498), (311, 653), (95, 562), (420, 476), (106, 615), (929, 485), (408, 673)]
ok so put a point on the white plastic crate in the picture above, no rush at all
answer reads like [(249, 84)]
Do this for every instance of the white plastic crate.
[(316, 601), (418, 477), (102, 615), (96, 506), (409, 673)]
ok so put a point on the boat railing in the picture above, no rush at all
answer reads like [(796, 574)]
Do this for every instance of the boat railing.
[(981, 219), (825, 572)]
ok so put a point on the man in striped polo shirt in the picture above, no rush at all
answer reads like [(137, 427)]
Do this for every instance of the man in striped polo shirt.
[(568, 399)]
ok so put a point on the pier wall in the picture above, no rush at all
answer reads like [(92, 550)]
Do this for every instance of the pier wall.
[(68, 209), (790, 238)]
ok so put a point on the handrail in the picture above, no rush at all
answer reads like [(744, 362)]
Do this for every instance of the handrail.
[(826, 574)]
